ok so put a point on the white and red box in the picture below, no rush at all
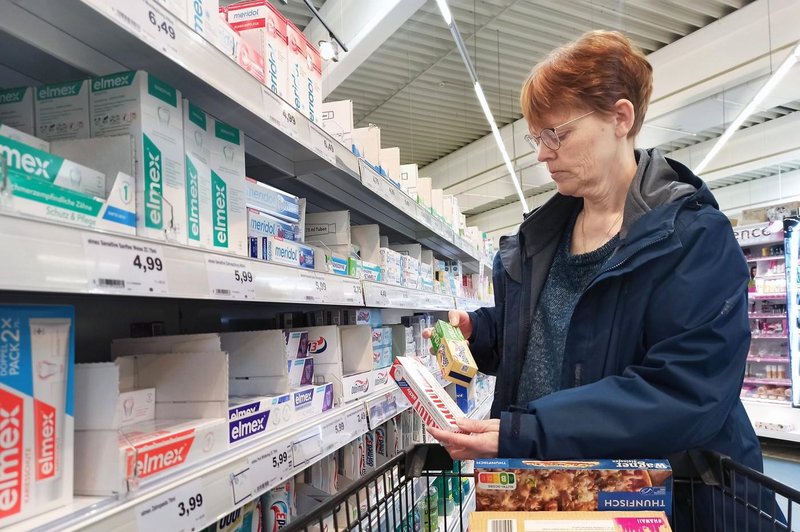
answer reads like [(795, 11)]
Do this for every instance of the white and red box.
[(37, 357), (263, 27), (428, 398), (297, 69), (313, 83)]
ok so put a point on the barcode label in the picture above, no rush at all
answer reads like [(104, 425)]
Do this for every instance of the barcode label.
[(128, 20), (502, 525), (310, 298), (111, 283), (222, 292), (262, 487)]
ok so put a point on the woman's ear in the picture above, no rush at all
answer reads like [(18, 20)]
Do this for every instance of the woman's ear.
[(624, 116)]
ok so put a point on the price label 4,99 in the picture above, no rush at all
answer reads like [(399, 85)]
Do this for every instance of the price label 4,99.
[(230, 278), (121, 266)]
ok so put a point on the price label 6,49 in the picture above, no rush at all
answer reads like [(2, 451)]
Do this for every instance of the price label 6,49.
[(323, 145)]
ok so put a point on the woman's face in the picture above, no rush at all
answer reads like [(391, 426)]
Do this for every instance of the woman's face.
[(589, 151)]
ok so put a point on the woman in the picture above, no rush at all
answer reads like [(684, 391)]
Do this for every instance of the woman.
[(620, 323)]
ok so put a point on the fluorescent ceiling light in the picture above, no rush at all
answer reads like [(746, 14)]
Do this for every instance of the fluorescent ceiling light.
[(762, 93), (448, 18), (499, 140)]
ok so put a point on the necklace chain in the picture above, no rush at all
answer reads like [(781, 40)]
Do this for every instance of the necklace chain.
[(608, 231)]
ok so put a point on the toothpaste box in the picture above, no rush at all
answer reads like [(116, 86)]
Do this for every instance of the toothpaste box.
[(62, 110), (453, 353), (24, 138), (109, 462), (203, 17), (16, 109), (354, 459), (311, 401), (381, 336), (371, 272), (297, 76), (262, 26), (244, 519), (433, 404), (313, 84), (279, 505), (408, 178), (139, 104), (380, 377), (370, 460), (37, 362), (639, 484), (260, 225), (250, 417), (337, 121), (301, 372), (272, 201), (329, 228), (197, 144), (24, 161), (289, 253), (364, 316), (569, 521), (337, 264), (229, 215), (297, 344)]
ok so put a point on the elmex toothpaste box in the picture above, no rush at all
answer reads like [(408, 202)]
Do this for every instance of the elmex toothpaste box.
[(453, 353), (16, 109), (228, 215), (428, 398), (250, 417), (289, 253), (197, 145), (585, 485), (272, 201), (37, 362), (62, 110), (311, 401), (139, 104)]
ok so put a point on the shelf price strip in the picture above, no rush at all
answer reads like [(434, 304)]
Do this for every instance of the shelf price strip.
[(180, 509), (270, 467), (229, 278)]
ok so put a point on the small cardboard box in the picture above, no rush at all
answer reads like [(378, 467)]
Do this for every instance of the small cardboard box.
[(586, 485), (569, 522), (390, 162), (428, 398), (337, 121), (114, 401), (368, 239), (453, 353), (367, 141), (329, 228)]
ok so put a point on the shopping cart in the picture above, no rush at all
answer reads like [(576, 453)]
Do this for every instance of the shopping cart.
[(396, 497)]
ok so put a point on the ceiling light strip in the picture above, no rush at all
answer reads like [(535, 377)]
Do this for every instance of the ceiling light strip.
[(473, 76), (750, 108)]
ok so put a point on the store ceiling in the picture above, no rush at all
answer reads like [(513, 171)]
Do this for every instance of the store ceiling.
[(416, 89)]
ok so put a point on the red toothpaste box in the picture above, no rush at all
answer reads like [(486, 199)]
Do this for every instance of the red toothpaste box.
[(428, 398)]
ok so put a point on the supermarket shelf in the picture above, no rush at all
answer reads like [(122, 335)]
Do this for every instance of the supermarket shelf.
[(779, 360), (471, 304), (389, 296), (772, 276), (773, 420), (772, 382), (765, 401), (762, 259), (755, 315), (283, 146), (225, 481), (461, 514), (770, 337), (54, 258), (755, 296)]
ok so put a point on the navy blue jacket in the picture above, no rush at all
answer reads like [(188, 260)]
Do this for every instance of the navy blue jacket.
[(656, 348)]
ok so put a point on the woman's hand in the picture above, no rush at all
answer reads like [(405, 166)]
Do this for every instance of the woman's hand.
[(482, 440), (457, 318)]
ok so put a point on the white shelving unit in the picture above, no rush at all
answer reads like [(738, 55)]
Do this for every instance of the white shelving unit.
[(768, 374)]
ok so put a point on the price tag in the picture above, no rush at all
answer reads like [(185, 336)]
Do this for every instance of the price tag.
[(152, 23), (355, 422), (120, 266), (335, 431), (392, 194), (270, 467), (353, 293), (425, 216), (181, 509), (409, 206), (283, 116), (370, 179), (316, 286), (376, 295), (322, 145), (230, 278)]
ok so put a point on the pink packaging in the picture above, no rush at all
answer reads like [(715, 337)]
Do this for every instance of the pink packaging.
[(263, 27), (252, 61), (313, 82), (296, 79)]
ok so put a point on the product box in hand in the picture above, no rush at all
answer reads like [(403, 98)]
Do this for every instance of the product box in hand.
[(453, 353), (569, 522), (138, 104), (428, 398), (586, 485), (37, 363)]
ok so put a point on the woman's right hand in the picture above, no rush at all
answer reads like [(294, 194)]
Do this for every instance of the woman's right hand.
[(457, 318)]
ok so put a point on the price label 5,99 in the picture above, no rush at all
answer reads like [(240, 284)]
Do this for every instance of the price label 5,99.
[(269, 467), (229, 278)]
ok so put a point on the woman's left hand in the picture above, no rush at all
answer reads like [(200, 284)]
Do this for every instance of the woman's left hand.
[(481, 441)]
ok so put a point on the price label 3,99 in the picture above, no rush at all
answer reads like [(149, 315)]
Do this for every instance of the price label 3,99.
[(121, 266), (181, 510), (230, 278)]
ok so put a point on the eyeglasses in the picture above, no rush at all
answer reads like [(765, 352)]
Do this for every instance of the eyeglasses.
[(549, 136)]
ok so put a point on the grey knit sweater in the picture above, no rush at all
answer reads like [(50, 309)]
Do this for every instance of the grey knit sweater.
[(568, 277)]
